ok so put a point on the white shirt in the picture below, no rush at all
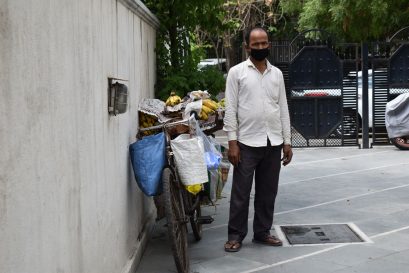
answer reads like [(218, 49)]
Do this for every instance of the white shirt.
[(256, 106)]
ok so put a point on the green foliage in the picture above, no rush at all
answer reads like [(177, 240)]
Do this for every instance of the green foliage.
[(291, 7), (176, 49), (182, 82), (351, 20), (214, 80)]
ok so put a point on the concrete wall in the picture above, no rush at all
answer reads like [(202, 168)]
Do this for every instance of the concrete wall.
[(68, 200)]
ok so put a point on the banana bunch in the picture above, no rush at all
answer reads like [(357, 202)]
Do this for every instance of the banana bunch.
[(211, 104), (222, 103), (173, 99), (208, 108), (146, 121)]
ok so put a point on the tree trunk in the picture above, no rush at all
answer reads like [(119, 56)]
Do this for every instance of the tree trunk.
[(243, 49), (173, 38), (230, 51)]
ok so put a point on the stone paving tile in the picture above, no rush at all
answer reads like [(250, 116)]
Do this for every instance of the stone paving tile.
[(399, 257), (304, 266), (353, 254), (224, 265), (396, 242), (207, 253), (377, 266), (271, 255), (384, 223)]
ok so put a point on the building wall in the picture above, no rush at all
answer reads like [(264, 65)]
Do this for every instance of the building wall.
[(68, 199)]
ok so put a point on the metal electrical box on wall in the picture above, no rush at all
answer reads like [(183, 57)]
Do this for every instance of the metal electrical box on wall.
[(117, 97)]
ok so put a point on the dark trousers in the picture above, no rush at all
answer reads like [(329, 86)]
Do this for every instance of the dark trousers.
[(265, 163)]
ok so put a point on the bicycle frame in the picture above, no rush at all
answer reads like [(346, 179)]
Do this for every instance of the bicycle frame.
[(182, 206), (172, 165)]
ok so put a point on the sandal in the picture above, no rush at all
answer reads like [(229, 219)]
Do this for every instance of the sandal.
[(232, 246)]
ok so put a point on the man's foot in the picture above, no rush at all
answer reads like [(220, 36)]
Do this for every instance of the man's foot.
[(269, 240), (232, 246)]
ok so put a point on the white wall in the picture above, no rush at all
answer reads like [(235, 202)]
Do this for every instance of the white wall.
[(68, 200)]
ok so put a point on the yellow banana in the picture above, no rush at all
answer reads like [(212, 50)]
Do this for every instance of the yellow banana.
[(173, 99), (215, 104), (207, 110), (222, 103), (211, 104), (203, 115)]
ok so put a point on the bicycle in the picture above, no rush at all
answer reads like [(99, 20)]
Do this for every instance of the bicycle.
[(181, 206)]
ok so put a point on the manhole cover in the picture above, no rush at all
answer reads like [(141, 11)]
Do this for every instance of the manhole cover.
[(321, 234)]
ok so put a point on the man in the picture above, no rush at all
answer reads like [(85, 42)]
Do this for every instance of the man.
[(258, 128)]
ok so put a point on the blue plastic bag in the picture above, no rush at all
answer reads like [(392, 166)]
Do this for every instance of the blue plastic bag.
[(212, 160), (148, 160)]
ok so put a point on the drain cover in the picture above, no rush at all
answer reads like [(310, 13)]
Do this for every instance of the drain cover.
[(320, 234)]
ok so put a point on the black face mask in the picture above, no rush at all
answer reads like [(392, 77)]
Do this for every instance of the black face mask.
[(259, 54)]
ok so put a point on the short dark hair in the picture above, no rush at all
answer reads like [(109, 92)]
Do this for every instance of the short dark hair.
[(247, 36)]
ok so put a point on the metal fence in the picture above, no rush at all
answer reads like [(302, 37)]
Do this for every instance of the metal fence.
[(324, 83)]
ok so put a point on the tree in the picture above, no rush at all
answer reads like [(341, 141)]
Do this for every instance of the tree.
[(190, 27), (351, 20), (177, 51), (238, 16)]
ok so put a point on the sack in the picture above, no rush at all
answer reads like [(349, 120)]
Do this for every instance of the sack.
[(148, 160), (189, 158)]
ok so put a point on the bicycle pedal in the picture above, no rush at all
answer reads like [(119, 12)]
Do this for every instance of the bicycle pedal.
[(204, 220)]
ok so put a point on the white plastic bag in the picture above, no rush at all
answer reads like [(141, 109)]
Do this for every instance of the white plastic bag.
[(194, 106), (189, 157), (397, 116)]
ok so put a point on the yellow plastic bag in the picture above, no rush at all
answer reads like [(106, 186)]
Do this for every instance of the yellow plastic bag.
[(194, 189)]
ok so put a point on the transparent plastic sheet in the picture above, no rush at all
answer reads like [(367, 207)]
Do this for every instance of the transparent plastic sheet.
[(212, 151), (224, 169), (155, 108), (214, 159)]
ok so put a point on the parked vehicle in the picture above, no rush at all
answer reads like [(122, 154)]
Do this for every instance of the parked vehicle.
[(337, 92), (397, 121), (352, 123), (213, 62), (217, 63)]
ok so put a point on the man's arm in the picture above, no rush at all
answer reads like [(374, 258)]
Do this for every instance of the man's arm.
[(230, 116)]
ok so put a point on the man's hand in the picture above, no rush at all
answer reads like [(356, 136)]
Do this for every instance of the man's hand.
[(287, 154), (234, 152)]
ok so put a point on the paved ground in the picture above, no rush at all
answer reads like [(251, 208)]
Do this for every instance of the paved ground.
[(322, 185)]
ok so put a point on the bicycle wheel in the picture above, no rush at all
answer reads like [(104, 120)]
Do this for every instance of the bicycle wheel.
[(194, 217), (176, 224)]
